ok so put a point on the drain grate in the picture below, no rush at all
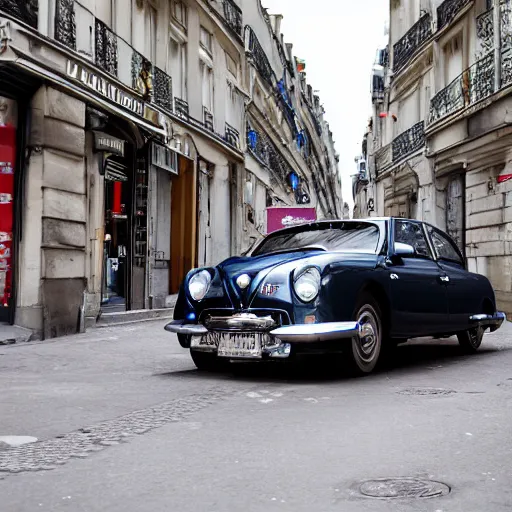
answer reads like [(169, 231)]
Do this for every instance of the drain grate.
[(426, 391), (403, 488)]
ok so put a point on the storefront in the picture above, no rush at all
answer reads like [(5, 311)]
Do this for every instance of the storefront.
[(8, 163)]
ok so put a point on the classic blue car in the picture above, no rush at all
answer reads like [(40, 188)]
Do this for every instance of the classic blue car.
[(355, 287)]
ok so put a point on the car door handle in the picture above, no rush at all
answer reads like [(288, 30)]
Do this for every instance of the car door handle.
[(444, 279)]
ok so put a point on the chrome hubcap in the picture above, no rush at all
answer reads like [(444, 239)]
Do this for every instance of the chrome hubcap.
[(369, 333)]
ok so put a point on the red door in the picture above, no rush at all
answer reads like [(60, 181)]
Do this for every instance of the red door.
[(7, 166)]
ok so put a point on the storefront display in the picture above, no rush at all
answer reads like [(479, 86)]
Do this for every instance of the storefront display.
[(7, 185)]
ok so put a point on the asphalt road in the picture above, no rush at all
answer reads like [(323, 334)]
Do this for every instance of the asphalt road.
[(125, 423)]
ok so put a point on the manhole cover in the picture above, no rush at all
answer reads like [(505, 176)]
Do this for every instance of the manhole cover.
[(403, 488), (426, 391)]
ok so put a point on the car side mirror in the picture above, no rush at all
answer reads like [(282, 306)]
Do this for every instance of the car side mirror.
[(401, 250)]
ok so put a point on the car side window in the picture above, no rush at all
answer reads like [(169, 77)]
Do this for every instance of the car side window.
[(444, 247), (412, 233)]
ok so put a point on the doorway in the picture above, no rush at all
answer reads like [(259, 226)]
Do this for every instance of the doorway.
[(117, 240), (455, 210), (183, 223)]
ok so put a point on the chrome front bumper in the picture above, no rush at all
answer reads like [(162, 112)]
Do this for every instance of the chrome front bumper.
[(493, 322), (300, 333)]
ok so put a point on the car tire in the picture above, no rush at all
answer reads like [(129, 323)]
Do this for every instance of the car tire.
[(471, 339), (365, 350), (206, 361)]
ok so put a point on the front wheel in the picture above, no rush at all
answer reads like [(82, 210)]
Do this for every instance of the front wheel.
[(206, 361), (471, 339), (365, 349)]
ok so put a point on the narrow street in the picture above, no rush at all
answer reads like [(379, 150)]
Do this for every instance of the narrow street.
[(125, 422)]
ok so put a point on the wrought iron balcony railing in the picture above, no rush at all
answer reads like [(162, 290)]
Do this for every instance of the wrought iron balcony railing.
[(473, 85), (447, 11), (485, 31), (260, 58), (408, 142), (407, 46), (162, 89), (208, 119), (181, 108), (260, 145), (65, 23), (233, 17), (23, 10), (232, 136)]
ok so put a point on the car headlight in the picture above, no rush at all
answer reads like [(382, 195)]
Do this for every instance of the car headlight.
[(199, 285), (307, 284)]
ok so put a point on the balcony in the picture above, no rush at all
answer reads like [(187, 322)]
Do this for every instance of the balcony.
[(406, 47), (208, 120), (65, 23), (162, 89), (181, 109), (25, 11), (260, 145), (233, 17), (260, 59), (408, 142), (473, 85), (232, 136), (448, 10)]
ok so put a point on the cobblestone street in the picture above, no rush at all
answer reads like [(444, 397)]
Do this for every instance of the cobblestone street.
[(126, 406)]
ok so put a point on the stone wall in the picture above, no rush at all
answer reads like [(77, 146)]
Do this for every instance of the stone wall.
[(489, 231), (52, 249)]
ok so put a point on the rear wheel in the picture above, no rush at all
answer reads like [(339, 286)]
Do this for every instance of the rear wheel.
[(206, 361), (365, 349), (471, 339)]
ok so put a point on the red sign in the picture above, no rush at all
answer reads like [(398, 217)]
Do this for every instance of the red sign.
[(280, 217), (504, 177), (7, 163)]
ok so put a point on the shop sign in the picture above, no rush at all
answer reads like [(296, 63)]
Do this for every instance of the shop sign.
[(109, 144), (102, 86), (279, 217)]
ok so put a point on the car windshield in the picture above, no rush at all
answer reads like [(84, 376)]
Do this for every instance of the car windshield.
[(348, 236)]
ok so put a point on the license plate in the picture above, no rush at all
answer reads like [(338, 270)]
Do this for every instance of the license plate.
[(240, 345)]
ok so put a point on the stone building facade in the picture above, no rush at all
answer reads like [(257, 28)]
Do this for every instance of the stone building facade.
[(125, 133), (440, 131)]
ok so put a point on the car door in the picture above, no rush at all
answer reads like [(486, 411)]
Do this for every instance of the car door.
[(418, 294), (462, 287)]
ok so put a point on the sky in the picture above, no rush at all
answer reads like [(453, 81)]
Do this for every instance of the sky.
[(338, 39)]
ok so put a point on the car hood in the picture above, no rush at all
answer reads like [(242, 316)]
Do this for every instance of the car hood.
[(258, 268)]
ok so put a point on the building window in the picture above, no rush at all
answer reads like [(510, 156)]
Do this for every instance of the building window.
[(206, 40), (150, 27), (206, 74), (179, 13), (231, 65), (178, 67), (104, 11)]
